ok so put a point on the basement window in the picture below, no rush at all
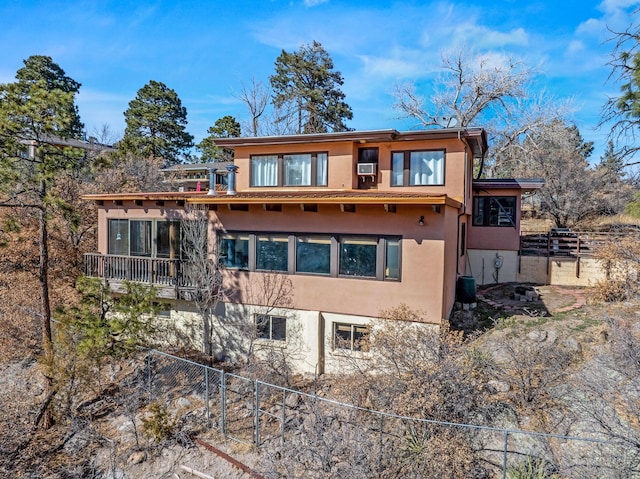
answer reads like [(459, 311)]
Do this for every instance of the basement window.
[(352, 337), (272, 328)]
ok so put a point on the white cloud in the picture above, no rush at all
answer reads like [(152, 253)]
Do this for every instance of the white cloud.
[(376, 68), (616, 5), (314, 3), (484, 37), (591, 26), (575, 46)]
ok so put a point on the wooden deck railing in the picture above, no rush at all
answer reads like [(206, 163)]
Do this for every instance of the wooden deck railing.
[(573, 244), (154, 271)]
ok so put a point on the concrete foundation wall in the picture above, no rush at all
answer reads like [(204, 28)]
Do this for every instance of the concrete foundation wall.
[(482, 266), (308, 349)]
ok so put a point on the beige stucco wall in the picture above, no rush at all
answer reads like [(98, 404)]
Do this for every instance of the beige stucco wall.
[(480, 265), (309, 347), (534, 269)]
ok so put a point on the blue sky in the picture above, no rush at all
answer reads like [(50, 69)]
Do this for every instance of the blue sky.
[(204, 50)]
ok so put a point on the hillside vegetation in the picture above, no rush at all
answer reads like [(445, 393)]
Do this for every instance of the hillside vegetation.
[(572, 373)]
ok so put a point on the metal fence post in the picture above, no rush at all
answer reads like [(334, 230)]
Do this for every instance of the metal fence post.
[(380, 444), (284, 408), (223, 403), (149, 373), (206, 396), (504, 457), (257, 415)]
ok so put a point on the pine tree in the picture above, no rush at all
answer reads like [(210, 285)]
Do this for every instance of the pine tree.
[(305, 79), (36, 112), (156, 122), (225, 127), (40, 68)]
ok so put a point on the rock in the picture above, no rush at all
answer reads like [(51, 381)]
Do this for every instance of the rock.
[(78, 442), (498, 386), (136, 457), (115, 474), (292, 400), (183, 402), (573, 345), (552, 336), (125, 426), (537, 336)]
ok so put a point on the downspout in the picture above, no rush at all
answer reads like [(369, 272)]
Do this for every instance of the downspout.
[(464, 206)]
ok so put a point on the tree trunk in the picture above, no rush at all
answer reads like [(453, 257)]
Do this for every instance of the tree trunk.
[(43, 276), (207, 329)]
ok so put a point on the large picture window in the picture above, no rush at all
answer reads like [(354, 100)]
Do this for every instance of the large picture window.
[(299, 169), (356, 256), (417, 168), (272, 253), (313, 254), (494, 211), (118, 237), (168, 239), (148, 238), (140, 238), (234, 251)]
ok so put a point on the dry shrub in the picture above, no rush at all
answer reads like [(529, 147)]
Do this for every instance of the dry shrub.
[(621, 262), (159, 424)]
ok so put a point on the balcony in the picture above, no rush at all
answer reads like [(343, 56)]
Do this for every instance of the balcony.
[(166, 275)]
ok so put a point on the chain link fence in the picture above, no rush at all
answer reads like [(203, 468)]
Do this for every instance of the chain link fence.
[(267, 415)]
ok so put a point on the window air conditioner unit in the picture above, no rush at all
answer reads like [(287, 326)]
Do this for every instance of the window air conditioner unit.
[(366, 168)]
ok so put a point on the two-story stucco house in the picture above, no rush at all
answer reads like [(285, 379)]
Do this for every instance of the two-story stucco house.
[(355, 222)]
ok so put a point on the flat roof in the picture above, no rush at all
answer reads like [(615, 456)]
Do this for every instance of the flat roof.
[(284, 197), (508, 183), (218, 166), (476, 137)]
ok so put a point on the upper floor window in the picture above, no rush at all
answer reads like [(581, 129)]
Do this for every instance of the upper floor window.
[(299, 169), (494, 211), (417, 168)]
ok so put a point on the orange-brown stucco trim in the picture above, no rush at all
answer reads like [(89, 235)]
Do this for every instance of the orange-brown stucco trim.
[(284, 197)]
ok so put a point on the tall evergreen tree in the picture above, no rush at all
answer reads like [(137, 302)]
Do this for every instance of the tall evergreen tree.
[(305, 80), (624, 109), (35, 112), (40, 68), (225, 127), (156, 125)]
